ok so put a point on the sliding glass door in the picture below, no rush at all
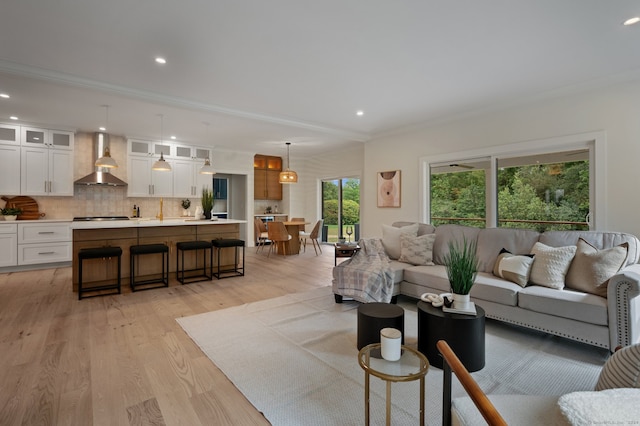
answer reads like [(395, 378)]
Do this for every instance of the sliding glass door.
[(341, 209)]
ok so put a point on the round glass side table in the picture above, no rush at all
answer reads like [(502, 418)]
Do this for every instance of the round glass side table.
[(412, 365)]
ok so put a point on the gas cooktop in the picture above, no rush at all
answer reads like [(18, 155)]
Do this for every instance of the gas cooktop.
[(89, 218)]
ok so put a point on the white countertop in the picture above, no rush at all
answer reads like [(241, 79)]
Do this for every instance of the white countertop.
[(2, 221), (270, 214), (148, 222)]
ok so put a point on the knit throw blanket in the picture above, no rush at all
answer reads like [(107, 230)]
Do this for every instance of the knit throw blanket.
[(367, 276)]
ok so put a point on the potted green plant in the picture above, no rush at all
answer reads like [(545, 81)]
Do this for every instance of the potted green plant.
[(10, 213), (461, 263), (207, 201), (186, 203)]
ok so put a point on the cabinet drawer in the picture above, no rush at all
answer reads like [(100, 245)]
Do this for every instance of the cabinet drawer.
[(31, 254), (43, 232), (8, 249), (8, 228)]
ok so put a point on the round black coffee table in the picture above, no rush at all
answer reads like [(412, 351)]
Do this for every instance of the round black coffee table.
[(373, 317), (464, 333)]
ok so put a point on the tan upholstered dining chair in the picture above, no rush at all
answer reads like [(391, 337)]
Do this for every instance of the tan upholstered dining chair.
[(279, 237), (261, 233), (313, 236)]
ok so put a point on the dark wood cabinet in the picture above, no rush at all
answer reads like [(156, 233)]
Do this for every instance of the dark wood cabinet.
[(266, 177)]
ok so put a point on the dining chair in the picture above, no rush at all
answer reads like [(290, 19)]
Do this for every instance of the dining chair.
[(279, 237), (313, 236), (299, 219), (262, 235)]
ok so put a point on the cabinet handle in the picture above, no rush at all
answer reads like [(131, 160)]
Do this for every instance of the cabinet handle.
[(46, 232), (47, 252)]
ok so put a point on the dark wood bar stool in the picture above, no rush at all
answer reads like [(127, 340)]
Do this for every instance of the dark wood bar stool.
[(189, 246), (144, 249), (236, 271), (99, 253)]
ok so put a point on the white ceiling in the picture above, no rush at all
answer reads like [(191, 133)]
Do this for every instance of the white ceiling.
[(265, 72)]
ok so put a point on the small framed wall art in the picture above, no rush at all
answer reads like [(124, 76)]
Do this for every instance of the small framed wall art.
[(389, 189)]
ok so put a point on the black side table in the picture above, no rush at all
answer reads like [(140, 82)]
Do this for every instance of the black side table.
[(373, 317), (464, 333)]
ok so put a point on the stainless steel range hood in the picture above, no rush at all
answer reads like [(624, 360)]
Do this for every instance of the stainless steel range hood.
[(101, 176)]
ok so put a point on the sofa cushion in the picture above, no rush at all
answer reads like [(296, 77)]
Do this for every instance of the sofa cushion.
[(449, 233), (391, 238), (551, 264), (494, 289), (598, 239), (622, 369), (565, 303), (492, 240), (515, 268), (434, 277), (591, 268), (397, 269), (417, 250)]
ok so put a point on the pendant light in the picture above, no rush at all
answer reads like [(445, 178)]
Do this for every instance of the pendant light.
[(207, 169), (161, 165), (288, 176), (106, 160)]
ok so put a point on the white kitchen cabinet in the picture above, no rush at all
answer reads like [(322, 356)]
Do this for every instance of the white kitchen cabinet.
[(40, 243), (142, 148), (36, 137), (46, 171), (9, 134), (187, 180), (144, 182), (8, 244), (9, 169)]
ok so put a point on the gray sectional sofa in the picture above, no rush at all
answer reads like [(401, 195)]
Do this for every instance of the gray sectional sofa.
[(572, 313)]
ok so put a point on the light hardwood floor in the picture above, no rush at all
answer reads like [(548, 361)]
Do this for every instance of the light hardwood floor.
[(123, 359)]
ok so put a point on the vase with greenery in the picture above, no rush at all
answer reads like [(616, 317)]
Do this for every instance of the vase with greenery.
[(461, 263), (10, 213), (207, 202)]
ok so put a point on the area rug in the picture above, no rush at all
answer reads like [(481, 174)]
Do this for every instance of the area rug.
[(295, 359)]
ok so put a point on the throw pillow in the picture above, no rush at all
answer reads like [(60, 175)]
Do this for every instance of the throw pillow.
[(417, 250), (622, 369), (391, 238), (515, 268), (591, 268), (550, 265)]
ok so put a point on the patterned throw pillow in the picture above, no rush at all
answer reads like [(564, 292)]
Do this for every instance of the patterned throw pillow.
[(622, 369), (417, 250), (591, 268), (515, 268), (550, 265), (391, 238)]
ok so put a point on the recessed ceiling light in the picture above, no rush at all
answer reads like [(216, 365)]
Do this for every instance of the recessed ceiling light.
[(161, 60), (102, 129), (13, 117), (173, 137), (4, 95), (360, 113), (632, 21)]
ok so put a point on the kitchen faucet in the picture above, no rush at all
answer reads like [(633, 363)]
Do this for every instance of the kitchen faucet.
[(160, 216)]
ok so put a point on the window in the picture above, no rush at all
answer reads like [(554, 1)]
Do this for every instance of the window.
[(551, 187)]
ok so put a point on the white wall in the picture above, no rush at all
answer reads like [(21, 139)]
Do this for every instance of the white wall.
[(614, 110)]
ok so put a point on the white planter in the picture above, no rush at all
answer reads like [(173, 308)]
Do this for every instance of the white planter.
[(461, 301), (11, 217)]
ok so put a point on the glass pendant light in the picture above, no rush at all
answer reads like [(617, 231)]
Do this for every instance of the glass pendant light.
[(161, 165), (288, 176), (106, 160), (207, 168)]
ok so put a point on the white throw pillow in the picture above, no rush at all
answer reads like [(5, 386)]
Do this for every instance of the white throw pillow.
[(622, 369), (607, 407), (515, 268), (391, 238), (550, 265), (417, 250)]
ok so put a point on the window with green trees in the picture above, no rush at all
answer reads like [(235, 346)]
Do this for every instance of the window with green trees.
[(549, 191)]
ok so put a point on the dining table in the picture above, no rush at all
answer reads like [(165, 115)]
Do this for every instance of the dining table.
[(294, 228)]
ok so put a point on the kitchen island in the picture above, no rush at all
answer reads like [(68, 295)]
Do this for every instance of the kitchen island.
[(127, 233)]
